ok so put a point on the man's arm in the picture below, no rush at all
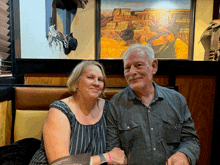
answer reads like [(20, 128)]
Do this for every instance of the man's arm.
[(189, 144), (112, 128)]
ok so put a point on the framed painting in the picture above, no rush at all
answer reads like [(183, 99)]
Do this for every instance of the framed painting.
[(216, 9), (166, 25)]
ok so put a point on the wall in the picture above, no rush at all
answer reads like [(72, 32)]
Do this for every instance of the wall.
[(33, 32), (199, 92), (203, 17), (83, 29)]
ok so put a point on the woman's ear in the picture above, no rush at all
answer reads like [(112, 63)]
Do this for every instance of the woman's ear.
[(154, 66)]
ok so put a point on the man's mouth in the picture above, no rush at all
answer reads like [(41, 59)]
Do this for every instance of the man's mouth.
[(134, 78)]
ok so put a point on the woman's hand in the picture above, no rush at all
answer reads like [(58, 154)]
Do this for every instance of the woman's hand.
[(118, 156)]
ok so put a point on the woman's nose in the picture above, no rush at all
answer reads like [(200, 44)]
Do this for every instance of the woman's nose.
[(96, 81)]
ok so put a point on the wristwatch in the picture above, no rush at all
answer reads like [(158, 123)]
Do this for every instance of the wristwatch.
[(189, 160), (103, 161)]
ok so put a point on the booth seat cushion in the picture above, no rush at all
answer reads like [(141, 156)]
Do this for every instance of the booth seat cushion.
[(28, 124)]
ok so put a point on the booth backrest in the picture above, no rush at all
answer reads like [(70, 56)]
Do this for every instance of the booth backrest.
[(32, 105), (31, 109)]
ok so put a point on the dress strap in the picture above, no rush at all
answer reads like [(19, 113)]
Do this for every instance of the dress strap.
[(62, 106)]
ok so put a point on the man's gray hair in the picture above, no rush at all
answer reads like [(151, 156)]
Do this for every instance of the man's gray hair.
[(147, 50)]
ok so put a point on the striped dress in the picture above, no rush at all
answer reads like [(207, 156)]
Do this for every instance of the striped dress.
[(83, 139)]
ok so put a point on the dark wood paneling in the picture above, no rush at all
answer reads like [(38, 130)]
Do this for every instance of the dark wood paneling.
[(48, 79), (61, 79), (165, 67), (199, 92), (6, 93), (6, 88)]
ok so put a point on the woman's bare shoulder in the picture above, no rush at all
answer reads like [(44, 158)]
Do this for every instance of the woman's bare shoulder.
[(56, 116)]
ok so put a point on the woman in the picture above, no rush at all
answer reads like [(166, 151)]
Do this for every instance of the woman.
[(76, 124)]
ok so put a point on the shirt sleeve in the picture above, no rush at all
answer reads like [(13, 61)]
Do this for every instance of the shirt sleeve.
[(112, 128), (189, 144)]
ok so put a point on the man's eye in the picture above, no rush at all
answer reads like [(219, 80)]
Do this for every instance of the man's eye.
[(139, 65)]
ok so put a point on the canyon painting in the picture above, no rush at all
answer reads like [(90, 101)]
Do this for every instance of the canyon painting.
[(162, 24)]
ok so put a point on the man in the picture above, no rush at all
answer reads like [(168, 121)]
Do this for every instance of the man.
[(152, 124)]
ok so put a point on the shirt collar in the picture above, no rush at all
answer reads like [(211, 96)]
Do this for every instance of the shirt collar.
[(157, 92)]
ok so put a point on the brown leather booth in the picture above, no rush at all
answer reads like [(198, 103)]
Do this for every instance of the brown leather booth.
[(32, 105)]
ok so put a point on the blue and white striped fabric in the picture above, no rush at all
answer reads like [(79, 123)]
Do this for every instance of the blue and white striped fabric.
[(83, 139)]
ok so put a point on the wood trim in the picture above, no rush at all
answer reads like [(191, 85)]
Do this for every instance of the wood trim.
[(165, 67), (216, 4)]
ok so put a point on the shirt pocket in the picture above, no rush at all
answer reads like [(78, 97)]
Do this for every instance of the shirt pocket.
[(172, 131), (130, 134)]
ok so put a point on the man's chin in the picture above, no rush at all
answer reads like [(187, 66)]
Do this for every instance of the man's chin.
[(135, 87)]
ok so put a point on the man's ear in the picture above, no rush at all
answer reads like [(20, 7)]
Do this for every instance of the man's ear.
[(154, 66)]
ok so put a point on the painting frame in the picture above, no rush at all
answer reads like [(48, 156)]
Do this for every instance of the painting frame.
[(190, 35)]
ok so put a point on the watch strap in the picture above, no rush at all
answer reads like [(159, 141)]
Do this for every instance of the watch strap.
[(102, 158), (189, 160)]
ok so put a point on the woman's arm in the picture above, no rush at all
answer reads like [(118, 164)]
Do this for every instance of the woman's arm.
[(56, 134), (97, 161)]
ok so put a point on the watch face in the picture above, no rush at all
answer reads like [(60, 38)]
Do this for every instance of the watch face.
[(104, 163)]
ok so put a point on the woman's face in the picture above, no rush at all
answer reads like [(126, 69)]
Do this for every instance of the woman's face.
[(91, 82)]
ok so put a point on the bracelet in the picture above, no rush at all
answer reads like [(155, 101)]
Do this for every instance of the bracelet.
[(109, 157)]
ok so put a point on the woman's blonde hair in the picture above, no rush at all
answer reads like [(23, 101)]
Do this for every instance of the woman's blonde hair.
[(79, 70)]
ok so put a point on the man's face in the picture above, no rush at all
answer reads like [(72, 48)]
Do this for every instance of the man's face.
[(137, 71)]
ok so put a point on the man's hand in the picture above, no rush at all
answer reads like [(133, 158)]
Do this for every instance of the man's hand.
[(118, 156), (178, 158)]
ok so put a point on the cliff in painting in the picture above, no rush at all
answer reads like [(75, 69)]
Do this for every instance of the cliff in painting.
[(166, 30)]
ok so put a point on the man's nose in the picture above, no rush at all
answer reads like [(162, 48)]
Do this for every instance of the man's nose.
[(133, 70)]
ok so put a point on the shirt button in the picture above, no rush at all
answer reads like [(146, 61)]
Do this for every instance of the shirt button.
[(154, 149), (148, 110), (152, 129), (149, 106), (128, 127)]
